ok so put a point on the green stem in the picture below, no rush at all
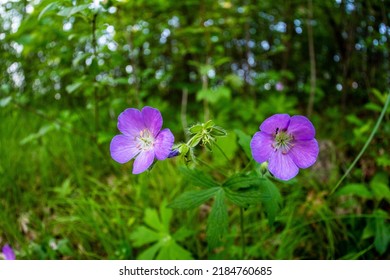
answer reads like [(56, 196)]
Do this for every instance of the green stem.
[(242, 229), (223, 153), (365, 145)]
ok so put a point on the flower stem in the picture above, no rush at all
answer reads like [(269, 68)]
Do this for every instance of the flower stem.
[(223, 153), (242, 229), (365, 145)]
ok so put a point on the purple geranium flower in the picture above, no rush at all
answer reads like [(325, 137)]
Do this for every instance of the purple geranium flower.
[(287, 143), (8, 252), (141, 138)]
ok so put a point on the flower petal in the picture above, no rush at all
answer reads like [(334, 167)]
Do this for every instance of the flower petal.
[(304, 153), (152, 119), (279, 121), (143, 161), (301, 128), (123, 148), (282, 166), (130, 122), (163, 144), (261, 146), (8, 252)]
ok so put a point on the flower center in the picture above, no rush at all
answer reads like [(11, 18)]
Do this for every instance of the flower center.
[(283, 141), (145, 140)]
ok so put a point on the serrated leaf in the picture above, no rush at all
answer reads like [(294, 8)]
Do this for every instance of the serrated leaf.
[(198, 178), (143, 235), (359, 190), (192, 199), (217, 222), (271, 205), (240, 181), (246, 197), (244, 141)]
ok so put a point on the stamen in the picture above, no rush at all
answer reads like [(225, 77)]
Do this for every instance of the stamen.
[(145, 140)]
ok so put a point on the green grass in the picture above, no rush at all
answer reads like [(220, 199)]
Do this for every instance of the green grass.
[(62, 197)]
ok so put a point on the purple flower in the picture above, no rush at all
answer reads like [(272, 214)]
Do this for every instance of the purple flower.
[(8, 252), (279, 86), (287, 143), (141, 138)]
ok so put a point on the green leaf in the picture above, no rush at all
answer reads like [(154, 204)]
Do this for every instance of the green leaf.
[(244, 141), (217, 222), (42, 131), (198, 178), (246, 197), (52, 6), (382, 231), (70, 11), (73, 87), (380, 186), (240, 181), (192, 199), (5, 101), (182, 233), (152, 219), (359, 190), (213, 95), (272, 205), (173, 251), (166, 216), (143, 235), (150, 253)]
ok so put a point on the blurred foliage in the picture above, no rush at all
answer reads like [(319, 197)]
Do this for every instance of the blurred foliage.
[(68, 68)]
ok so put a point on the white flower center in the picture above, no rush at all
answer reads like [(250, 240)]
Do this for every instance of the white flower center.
[(145, 140), (283, 141)]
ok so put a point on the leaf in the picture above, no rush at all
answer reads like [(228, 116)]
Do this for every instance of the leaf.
[(149, 253), (272, 205), (73, 87), (359, 190), (217, 222), (166, 216), (382, 231), (213, 95), (198, 178), (5, 101), (244, 141), (240, 181), (173, 251), (380, 186), (52, 6), (244, 198), (70, 11), (143, 235), (192, 199), (42, 131), (182, 233), (152, 219)]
